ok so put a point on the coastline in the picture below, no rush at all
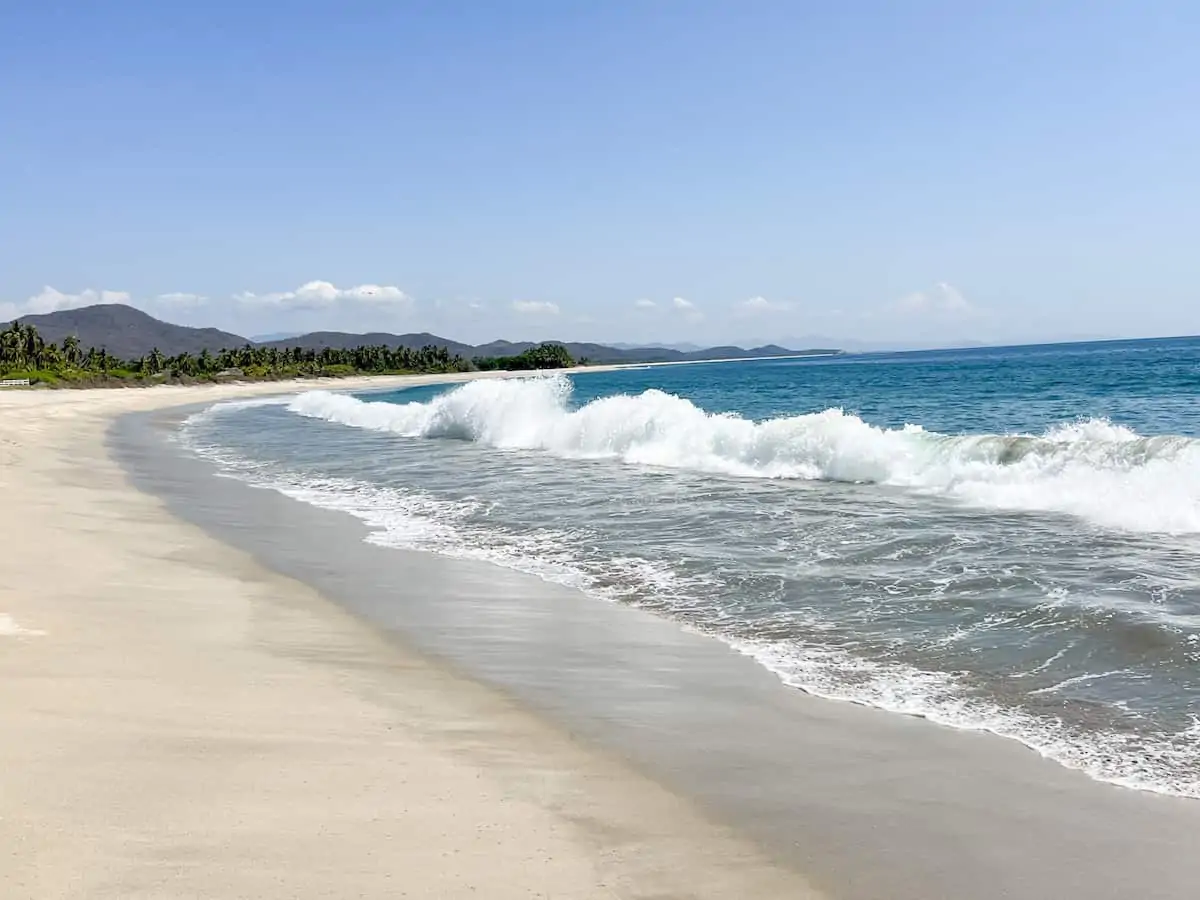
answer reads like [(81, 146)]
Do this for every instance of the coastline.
[(180, 721), (369, 382), (866, 804)]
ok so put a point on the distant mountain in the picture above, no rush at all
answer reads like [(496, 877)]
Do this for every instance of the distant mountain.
[(596, 353), (128, 333), (341, 340), (274, 336), (501, 348), (683, 348), (851, 345)]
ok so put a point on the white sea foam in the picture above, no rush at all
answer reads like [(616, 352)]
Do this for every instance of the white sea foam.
[(228, 406), (1094, 469), (206, 415), (1162, 763), (414, 520)]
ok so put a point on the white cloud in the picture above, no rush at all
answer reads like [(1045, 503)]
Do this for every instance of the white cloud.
[(645, 304), (689, 309), (456, 305), (755, 305), (952, 298), (375, 293), (943, 299), (535, 307), (324, 294), (50, 300)]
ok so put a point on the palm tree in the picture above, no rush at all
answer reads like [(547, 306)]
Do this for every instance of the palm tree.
[(22, 348), (71, 351), (33, 345), (185, 364), (12, 347)]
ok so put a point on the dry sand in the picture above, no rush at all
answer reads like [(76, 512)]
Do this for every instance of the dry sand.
[(176, 721)]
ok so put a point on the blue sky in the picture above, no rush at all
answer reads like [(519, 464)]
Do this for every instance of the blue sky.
[(654, 171)]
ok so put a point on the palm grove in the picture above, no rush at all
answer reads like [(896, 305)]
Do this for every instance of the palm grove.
[(24, 354)]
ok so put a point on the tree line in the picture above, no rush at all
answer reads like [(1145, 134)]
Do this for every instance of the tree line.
[(543, 356), (24, 354)]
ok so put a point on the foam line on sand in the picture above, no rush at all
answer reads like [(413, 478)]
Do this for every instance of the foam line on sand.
[(188, 724)]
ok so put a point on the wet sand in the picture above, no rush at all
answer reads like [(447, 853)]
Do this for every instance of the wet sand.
[(591, 743), (179, 721), (867, 804)]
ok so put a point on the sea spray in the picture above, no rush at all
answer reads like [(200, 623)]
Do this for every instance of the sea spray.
[(906, 567), (1103, 473), (808, 658)]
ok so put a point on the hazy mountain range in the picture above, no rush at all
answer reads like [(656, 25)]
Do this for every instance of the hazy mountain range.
[(129, 333)]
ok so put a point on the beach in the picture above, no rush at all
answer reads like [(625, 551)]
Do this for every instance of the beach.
[(600, 451), (180, 722), (209, 689)]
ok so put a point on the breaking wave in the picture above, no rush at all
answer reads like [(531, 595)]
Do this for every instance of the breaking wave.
[(801, 648), (1099, 471)]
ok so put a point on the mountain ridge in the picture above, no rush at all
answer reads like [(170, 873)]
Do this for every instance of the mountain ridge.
[(129, 333), (126, 332)]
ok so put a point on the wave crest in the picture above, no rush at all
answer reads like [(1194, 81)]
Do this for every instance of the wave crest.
[(1093, 469)]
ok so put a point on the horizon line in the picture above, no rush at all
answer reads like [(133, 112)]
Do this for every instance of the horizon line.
[(935, 348)]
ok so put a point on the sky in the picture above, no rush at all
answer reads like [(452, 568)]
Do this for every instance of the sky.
[(897, 173)]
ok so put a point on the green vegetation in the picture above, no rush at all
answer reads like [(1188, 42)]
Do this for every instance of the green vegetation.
[(23, 354), (543, 356)]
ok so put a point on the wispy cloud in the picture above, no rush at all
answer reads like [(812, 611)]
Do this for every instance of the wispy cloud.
[(760, 305), (687, 309), (324, 294), (943, 298), (535, 307), (645, 303)]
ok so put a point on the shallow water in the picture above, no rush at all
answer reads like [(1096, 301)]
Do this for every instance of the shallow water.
[(997, 539)]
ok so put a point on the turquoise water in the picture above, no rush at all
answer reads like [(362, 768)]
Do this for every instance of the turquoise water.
[(1001, 539), (1151, 386)]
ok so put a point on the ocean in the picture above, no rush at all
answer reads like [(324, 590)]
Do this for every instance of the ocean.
[(1001, 539)]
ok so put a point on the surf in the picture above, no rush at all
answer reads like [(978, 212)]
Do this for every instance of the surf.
[(1094, 469)]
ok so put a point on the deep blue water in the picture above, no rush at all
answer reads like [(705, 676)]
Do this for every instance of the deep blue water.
[(1004, 539), (1150, 385)]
